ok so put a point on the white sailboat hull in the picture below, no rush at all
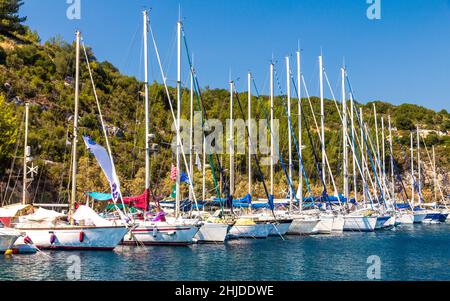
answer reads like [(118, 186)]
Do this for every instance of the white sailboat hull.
[(212, 232), (359, 223), (324, 226), (405, 218), (260, 230), (391, 222), (279, 228), (161, 233), (338, 224), (7, 239), (75, 238), (419, 217), (301, 226), (383, 221)]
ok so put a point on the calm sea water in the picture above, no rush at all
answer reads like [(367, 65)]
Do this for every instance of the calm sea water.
[(419, 252)]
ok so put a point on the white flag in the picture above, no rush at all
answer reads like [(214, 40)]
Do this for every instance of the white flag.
[(105, 163)]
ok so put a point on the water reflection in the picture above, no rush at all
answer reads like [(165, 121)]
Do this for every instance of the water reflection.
[(322, 257)]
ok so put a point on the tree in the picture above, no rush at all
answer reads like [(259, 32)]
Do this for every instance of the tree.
[(10, 21), (8, 133), (404, 122)]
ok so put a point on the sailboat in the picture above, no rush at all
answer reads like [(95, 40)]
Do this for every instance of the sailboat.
[(430, 216), (213, 229), (362, 219), (326, 220), (86, 230), (8, 237), (252, 224), (161, 230)]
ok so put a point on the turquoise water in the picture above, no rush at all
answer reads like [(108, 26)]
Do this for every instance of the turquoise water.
[(419, 252)]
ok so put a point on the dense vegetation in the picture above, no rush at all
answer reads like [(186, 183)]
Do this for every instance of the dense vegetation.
[(42, 75)]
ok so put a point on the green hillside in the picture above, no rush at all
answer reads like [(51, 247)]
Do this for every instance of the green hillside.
[(41, 73)]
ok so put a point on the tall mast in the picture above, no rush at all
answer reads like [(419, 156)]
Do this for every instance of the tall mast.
[(147, 117), (435, 187), (272, 137), (378, 144), (75, 130), (288, 95), (419, 190), (231, 141), (363, 156), (25, 157), (383, 159), (392, 160), (412, 169), (191, 134), (344, 130), (249, 78), (355, 184), (322, 119), (300, 173), (177, 185)]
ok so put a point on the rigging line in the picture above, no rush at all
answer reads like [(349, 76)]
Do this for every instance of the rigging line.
[(70, 178), (64, 165), (383, 196), (405, 157), (255, 156), (433, 168), (158, 180), (14, 187), (160, 170), (136, 121), (396, 170), (103, 127), (365, 165), (278, 149), (324, 192), (398, 175), (365, 139), (353, 142), (378, 164), (14, 158), (340, 117), (37, 185), (180, 142), (307, 126), (318, 133), (201, 105), (130, 46), (314, 151), (294, 133)]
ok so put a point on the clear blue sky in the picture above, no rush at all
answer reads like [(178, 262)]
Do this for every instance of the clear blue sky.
[(404, 57)]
